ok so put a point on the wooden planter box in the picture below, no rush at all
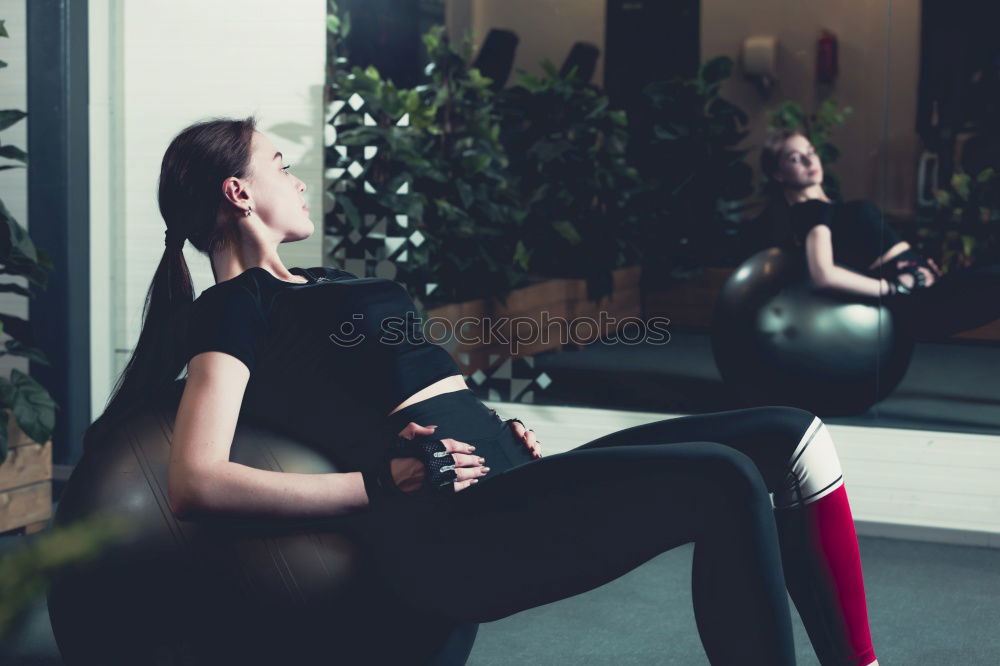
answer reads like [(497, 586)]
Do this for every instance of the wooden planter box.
[(25, 482), (563, 299), (689, 305), (989, 331)]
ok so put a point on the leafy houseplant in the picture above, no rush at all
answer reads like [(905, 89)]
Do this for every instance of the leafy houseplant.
[(817, 127), (968, 218), (30, 404), (473, 212), (568, 153), (435, 157), (694, 167)]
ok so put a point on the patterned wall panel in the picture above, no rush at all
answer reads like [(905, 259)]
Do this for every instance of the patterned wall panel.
[(379, 243)]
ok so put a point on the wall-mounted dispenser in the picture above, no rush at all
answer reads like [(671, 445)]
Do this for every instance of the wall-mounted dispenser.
[(759, 60)]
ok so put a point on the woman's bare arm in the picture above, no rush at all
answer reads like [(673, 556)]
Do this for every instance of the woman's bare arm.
[(826, 274), (201, 478)]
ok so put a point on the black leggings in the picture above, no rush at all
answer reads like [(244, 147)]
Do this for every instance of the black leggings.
[(536, 531), (959, 300)]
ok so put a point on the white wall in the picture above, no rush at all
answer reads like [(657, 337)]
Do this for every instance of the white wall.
[(14, 182), (157, 66), (546, 28)]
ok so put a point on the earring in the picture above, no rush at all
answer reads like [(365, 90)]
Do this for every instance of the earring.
[(249, 210)]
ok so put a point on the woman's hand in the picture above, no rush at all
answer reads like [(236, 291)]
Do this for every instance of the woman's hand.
[(528, 438), (409, 473), (930, 276)]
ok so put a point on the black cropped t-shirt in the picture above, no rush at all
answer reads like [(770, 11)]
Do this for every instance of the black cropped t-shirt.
[(328, 359), (858, 232)]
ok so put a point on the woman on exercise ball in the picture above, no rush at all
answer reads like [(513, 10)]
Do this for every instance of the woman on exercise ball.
[(849, 247), (458, 510)]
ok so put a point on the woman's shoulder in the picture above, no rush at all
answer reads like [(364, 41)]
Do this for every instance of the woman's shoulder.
[(807, 214), (230, 317), (247, 281), (242, 295), (331, 273), (861, 206)]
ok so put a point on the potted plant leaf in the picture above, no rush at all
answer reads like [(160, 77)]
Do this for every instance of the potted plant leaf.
[(695, 169), (568, 152), (28, 409), (698, 182), (428, 158)]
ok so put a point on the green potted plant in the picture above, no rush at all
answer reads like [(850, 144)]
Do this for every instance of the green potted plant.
[(426, 165), (568, 153), (695, 170), (473, 214), (28, 409), (967, 223), (431, 155)]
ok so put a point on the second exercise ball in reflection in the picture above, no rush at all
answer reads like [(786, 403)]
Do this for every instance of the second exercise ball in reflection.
[(778, 339)]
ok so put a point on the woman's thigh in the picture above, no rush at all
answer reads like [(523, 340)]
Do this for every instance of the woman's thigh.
[(769, 435), (960, 300), (565, 524)]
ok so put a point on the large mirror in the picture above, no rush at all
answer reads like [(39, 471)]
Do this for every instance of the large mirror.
[(664, 166)]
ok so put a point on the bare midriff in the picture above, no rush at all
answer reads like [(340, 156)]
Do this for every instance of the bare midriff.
[(446, 385), (898, 248)]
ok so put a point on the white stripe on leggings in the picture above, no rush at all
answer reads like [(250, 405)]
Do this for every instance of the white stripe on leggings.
[(814, 467)]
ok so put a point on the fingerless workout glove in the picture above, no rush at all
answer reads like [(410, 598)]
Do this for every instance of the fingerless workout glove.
[(916, 262), (439, 466)]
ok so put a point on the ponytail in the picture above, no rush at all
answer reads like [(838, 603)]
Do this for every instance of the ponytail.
[(191, 202)]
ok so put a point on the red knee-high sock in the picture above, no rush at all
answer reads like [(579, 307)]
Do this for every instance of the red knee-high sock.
[(819, 552)]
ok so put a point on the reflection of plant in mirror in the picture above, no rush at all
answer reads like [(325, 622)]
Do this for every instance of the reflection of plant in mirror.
[(474, 214), (567, 152), (387, 139), (969, 216), (694, 166), (393, 146), (26, 570), (817, 127), (437, 158)]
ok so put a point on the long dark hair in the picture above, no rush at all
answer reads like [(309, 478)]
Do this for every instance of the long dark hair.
[(192, 204)]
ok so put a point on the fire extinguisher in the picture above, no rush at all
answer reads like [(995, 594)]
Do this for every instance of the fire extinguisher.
[(826, 57)]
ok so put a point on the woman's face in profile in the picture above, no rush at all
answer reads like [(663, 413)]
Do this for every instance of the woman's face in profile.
[(799, 166), (276, 193)]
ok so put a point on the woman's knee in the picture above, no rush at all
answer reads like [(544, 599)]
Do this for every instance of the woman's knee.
[(730, 475), (790, 423), (813, 469)]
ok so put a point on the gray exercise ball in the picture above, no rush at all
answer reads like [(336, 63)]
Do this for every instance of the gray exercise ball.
[(778, 339), (225, 590)]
